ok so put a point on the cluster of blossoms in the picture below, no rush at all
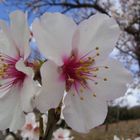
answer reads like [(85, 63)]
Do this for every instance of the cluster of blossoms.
[(30, 129), (77, 72), (62, 134), (16, 78)]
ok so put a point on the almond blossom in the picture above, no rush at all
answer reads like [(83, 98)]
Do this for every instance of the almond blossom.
[(62, 134), (78, 64), (117, 138), (30, 129), (9, 137), (16, 79)]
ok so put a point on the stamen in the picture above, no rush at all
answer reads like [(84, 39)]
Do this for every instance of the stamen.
[(81, 90), (9, 71), (106, 67), (97, 54), (94, 94), (77, 71), (96, 83), (105, 79), (81, 98), (97, 48)]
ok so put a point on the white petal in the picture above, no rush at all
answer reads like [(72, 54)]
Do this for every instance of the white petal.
[(53, 33), (20, 66), (18, 118), (117, 78), (82, 115), (7, 45), (30, 118), (61, 132), (28, 92), (52, 87), (116, 138), (20, 32), (10, 110), (98, 31), (9, 137), (4, 90)]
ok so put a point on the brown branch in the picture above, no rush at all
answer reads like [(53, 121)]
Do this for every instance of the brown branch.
[(69, 5), (126, 52)]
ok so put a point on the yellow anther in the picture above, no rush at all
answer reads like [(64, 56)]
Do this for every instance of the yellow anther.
[(96, 69), (87, 64), (97, 54), (5, 65), (89, 58), (86, 70), (106, 67), (2, 76), (96, 83), (97, 48), (83, 68), (94, 94), (91, 61), (81, 61), (81, 90), (105, 79), (2, 71), (1, 59)]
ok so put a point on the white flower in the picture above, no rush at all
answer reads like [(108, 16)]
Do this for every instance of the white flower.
[(62, 134), (9, 137), (77, 63), (116, 138), (30, 129), (17, 86)]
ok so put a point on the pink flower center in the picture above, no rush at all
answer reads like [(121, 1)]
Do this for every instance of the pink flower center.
[(60, 136), (29, 126), (36, 130), (8, 72), (76, 71)]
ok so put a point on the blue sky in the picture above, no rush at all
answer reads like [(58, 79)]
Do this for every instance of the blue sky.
[(7, 7), (4, 11)]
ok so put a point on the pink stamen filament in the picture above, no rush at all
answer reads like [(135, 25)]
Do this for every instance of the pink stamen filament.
[(76, 71), (9, 72)]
